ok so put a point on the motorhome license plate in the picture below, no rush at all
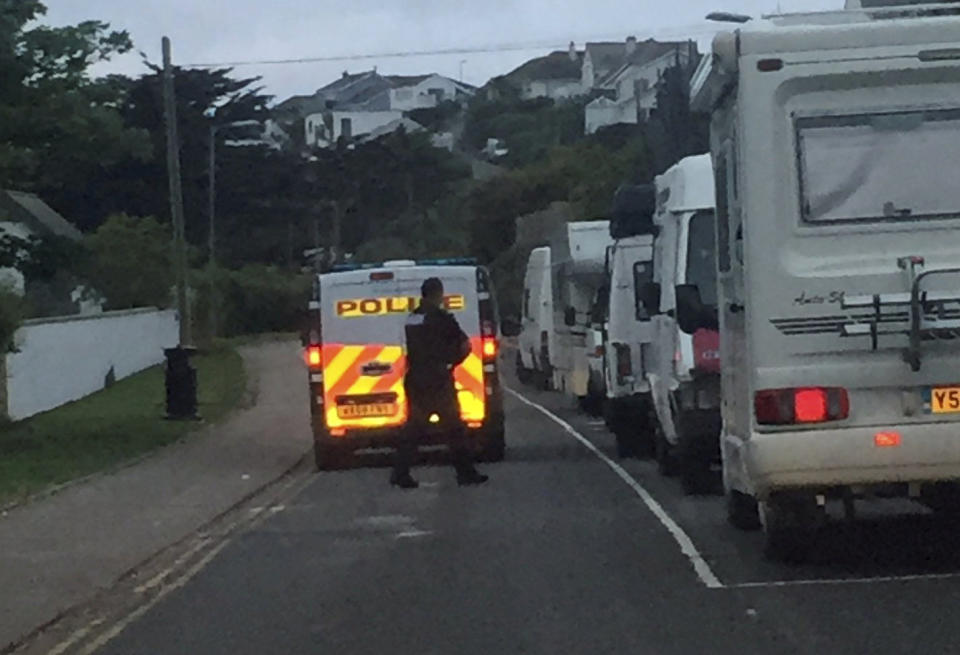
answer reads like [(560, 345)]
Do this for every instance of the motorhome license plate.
[(945, 400), (366, 410)]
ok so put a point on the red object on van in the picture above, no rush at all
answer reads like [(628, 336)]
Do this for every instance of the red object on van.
[(706, 351)]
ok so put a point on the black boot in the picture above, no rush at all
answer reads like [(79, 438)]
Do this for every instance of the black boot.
[(404, 481), (471, 477)]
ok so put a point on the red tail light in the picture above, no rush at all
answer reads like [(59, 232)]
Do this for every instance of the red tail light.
[(489, 348), (314, 357), (803, 405)]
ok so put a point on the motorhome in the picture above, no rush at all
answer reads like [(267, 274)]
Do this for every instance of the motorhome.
[(628, 333), (834, 140), (577, 275), (684, 371)]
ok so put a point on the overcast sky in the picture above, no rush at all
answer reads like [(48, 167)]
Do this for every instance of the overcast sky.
[(205, 31)]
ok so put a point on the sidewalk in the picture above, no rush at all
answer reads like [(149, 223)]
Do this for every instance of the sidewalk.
[(59, 551)]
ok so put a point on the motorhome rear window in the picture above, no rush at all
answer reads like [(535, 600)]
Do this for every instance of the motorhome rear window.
[(895, 166)]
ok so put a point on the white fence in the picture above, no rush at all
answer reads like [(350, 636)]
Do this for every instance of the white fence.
[(64, 359)]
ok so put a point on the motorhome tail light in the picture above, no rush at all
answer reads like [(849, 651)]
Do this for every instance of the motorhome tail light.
[(769, 65), (801, 405), (489, 348), (379, 276), (314, 356), (887, 439), (599, 351)]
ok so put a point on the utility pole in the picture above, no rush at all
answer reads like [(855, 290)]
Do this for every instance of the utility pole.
[(176, 197), (180, 378), (211, 214)]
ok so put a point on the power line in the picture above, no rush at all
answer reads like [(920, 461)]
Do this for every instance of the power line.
[(699, 30)]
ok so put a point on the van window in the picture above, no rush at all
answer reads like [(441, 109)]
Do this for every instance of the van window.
[(701, 249), (723, 211), (893, 166), (642, 274)]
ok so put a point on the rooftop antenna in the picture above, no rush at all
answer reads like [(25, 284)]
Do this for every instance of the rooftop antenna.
[(728, 17)]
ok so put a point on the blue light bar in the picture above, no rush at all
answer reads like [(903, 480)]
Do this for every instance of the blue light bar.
[(450, 261)]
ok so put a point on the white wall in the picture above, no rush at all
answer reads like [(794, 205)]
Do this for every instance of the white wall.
[(602, 112), (65, 359), (364, 122)]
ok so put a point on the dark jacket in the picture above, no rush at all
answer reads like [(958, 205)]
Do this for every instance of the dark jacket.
[(435, 346)]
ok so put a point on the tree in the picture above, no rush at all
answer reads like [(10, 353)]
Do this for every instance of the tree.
[(130, 262), (57, 126)]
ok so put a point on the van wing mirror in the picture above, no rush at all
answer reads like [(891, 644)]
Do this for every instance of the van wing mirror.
[(570, 316), (692, 314), (650, 298), (510, 327)]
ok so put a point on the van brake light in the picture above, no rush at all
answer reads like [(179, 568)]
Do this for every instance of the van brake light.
[(801, 405), (314, 356), (489, 348)]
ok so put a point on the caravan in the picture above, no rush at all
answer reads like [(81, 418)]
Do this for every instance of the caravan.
[(533, 355), (684, 373), (834, 140)]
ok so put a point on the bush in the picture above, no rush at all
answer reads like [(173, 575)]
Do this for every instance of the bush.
[(11, 316), (252, 300)]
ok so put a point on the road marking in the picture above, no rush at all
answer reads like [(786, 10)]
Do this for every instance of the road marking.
[(164, 574), (844, 581), (412, 534), (74, 638), (689, 550)]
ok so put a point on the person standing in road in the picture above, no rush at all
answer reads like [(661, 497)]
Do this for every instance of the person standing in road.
[(435, 346)]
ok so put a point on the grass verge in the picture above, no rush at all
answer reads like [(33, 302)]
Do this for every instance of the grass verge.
[(110, 427)]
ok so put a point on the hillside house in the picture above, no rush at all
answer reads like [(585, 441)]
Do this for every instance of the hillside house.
[(359, 104), (627, 91), (555, 76)]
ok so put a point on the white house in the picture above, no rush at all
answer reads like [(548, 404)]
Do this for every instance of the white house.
[(359, 104), (629, 90), (424, 91), (556, 75)]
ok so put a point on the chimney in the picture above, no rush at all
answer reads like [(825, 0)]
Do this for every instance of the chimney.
[(574, 57), (631, 45), (345, 74)]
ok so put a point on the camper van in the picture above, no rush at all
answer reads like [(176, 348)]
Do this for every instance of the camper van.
[(533, 354), (834, 142), (628, 331), (356, 356), (684, 372), (577, 275)]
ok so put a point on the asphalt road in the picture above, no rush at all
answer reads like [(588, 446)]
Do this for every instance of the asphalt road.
[(560, 553)]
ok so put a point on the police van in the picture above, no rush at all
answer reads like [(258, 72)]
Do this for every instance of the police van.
[(356, 356)]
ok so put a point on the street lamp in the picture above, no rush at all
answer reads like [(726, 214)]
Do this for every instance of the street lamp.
[(212, 208)]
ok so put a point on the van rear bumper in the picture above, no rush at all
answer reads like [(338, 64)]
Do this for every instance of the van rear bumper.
[(848, 456)]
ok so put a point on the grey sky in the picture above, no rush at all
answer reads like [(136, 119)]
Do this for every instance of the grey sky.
[(221, 30)]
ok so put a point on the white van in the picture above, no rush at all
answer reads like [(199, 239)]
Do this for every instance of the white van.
[(684, 374), (533, 355), (626, 345), (835, 140), (356, 355)]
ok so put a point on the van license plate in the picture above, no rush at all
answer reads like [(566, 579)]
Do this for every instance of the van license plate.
[(945, 400), (364, 411)]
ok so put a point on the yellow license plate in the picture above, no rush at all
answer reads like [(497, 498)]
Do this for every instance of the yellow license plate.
[(945, 400), (366, 410)]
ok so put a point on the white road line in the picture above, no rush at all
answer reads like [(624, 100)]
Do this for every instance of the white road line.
[(700, 566), (844, 581)]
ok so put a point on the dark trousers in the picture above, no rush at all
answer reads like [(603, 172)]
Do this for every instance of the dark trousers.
[(418, 424)]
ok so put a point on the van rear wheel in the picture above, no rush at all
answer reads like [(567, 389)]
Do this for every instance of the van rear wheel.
[(790, 523), (742, 511)]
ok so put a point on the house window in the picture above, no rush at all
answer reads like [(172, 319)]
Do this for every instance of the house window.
[(346, 128)]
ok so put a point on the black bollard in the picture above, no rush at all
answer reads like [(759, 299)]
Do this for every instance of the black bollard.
[(181, 384)]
